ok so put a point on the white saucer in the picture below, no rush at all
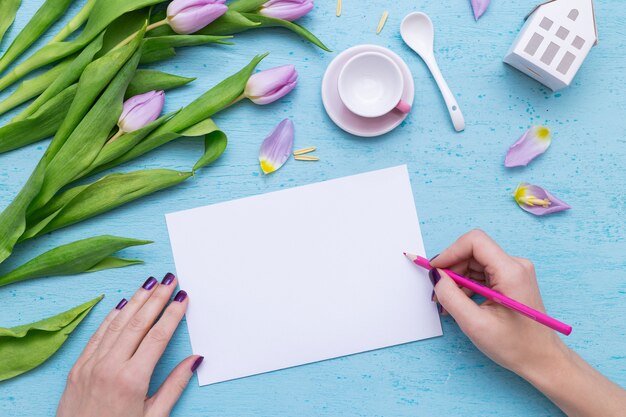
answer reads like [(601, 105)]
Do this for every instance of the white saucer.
[(344, 118)]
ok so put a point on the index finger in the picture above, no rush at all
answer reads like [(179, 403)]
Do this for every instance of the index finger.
[(474, 245)]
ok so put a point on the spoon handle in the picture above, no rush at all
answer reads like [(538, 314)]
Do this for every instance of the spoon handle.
[(453, 107)]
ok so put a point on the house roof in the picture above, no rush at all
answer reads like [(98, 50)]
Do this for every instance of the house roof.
[(593, 9)]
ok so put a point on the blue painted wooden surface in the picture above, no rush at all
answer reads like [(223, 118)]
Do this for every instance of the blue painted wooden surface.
[(459, 183)]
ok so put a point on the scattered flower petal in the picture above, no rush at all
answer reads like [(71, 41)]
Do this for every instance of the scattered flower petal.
[(189, 16), (538, 201), (479, 7), (533, 143), (267, 86), (140, 110), (286, 9), (276, 148)]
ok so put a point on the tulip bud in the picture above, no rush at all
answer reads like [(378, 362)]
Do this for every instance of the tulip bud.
[(140, 110), (286, 9), (267, 86), (189, 16)]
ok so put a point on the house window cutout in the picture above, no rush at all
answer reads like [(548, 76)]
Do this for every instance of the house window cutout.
[(566, 63), (573, 14), (578, 42), (550, 53), (562, 33), (533, 44), (546, 23)]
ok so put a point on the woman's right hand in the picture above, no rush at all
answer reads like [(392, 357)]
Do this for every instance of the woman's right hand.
[(512, 340), (507, 337)]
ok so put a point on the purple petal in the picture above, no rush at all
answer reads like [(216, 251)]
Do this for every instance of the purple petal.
[(479, 7), (538, 201), (286, 9), (533, 143), (140, 110), (267, 86), (189, 16), (277, 147)]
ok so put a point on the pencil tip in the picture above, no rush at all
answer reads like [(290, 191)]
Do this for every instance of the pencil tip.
[(404, 253), (410, 256)]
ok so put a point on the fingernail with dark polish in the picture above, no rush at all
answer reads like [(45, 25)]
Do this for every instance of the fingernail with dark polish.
[(180, 296), (431, 259), (197, 363), (168, 278), (439, 308), (432, 297), (121, 304), (149, 284), (434, 276)]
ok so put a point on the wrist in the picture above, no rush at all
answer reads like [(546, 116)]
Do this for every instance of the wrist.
[(553, 365)]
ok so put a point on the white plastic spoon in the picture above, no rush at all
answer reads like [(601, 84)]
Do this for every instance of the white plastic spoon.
[(418, 33)]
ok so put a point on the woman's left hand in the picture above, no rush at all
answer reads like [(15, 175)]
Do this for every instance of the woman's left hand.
[(112, 375)]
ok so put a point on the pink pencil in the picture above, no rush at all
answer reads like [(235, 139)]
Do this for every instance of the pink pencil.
[(538, 316)]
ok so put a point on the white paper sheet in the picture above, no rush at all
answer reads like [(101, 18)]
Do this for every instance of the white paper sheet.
[(302, 275)]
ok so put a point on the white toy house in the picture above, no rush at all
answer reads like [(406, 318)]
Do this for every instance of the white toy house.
[(554, 41)]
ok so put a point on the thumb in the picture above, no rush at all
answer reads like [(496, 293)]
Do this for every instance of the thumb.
[(465, 311), (169, 392)]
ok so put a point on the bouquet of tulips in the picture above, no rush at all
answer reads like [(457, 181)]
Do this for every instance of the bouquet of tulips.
[(101, 111)]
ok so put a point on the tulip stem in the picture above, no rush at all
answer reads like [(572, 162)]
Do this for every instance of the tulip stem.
[(119, 133), (238, 99), (149, 28), (156, 24)]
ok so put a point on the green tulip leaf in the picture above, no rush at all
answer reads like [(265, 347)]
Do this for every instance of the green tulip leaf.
[(13, 218), (8, 10), (246, 6), (270, 22), (122, 28), (123, 144), (104, 12), (77, 21), (148, 80), (231, 26), (87, 255), (108, 193), (68, 77), (112, 262), (44, 123), (33, 87), (230, 23), (25, 347), (40, 219), (230, 18), (163, 47), (215, 143), (47, 14)]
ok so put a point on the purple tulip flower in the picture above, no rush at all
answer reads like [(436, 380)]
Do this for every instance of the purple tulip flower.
[(277, 147), (533, 143), (268, 86), (140, 110), (286, 9), (479, 7), (538, 201), (189, 16)]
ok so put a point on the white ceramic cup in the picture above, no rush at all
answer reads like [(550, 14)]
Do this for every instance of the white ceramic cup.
[(371, 85)]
